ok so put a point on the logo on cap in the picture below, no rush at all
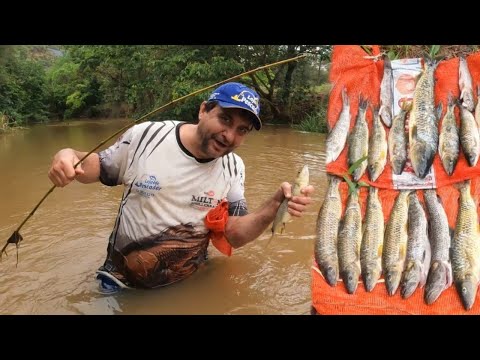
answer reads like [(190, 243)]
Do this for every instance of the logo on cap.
[(240, 96), (248, 99)]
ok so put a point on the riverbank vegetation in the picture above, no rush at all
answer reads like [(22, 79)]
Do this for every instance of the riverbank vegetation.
[(49, 83)]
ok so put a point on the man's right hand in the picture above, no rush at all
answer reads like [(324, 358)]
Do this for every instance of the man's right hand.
[(61, 172)]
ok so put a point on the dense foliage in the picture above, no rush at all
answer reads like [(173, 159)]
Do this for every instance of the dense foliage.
[(42, 83)]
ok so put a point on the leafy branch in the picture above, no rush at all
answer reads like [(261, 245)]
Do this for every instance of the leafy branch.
[(353, 185)]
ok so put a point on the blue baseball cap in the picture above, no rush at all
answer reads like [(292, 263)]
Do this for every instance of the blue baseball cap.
[(236, 95)]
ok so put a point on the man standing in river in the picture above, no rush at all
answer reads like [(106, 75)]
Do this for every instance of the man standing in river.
[(175, 174)]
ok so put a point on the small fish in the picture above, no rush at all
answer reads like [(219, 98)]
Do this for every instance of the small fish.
[(423, 122), (440, 274), (477, 108), (395, 243), (372, 241), (358, 141), (327, 228), (397, 140), (283, 215), (449, 143), (386, 93), (465, 251), (469, 136), (465, 84), (418, 258), (337, 137), (349, 241), (377, 145)]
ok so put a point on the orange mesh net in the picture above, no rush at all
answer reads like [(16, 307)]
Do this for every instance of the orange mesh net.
[(363, 76), (215, 221)]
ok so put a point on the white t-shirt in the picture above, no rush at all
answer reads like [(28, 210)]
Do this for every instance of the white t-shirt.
[(165, 185)]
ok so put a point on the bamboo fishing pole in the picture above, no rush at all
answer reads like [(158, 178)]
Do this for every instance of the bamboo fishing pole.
[(15, 238)]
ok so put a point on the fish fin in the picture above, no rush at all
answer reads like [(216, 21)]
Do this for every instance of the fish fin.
[(380, 250), (407, 106), (438, 111), (414, 132), (403, 251), (270, 239), (451, 232)]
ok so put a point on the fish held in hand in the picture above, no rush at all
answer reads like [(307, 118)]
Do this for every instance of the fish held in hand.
[(283, 216)]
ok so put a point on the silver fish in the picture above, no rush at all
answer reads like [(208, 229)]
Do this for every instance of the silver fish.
[(449, 143), (418, 257), (440, 272), (386, 93), (465, 84), (423, 130), (372, 241), (469, 136), (327, 228), (465, 253), (377, 153), (349, 240), (477, 108), (337, 137), (358, 141), (397, 140), (283, 216), (395, 243)]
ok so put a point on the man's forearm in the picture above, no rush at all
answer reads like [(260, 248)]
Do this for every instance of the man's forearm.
[(241, 230), (91, 166)]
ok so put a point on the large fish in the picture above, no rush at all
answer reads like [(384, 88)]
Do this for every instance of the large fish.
[(465, 84), (358, 141), (465, 252), (349, 240), (327, 228), (469, 136), (440, 273), (449, 143), (423, 129), (418, 257), (397, 140), (372, 241), (377, 148), (386, 93), (337, 137), (283, 216), (395, 243)]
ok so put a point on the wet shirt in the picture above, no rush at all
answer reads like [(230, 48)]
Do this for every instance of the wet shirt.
[(159, 235)]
